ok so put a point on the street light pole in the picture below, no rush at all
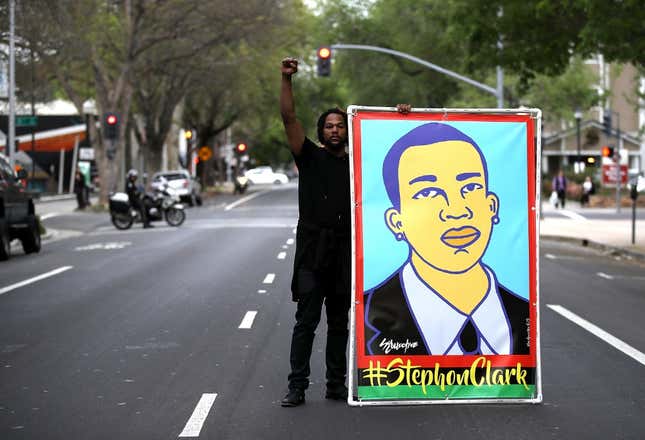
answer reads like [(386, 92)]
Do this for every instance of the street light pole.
[(578, 165), (617, 160), (11, 146), (498, 91)]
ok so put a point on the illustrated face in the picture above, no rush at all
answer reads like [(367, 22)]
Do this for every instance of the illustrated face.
[(446, 212), (335, 131)]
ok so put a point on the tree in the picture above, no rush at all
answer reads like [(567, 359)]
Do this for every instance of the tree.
[(199, 66), (539, 36), (90, 48), (560, 96)]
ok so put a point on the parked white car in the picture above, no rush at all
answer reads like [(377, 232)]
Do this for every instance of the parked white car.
[(264, 175), (187, 188)]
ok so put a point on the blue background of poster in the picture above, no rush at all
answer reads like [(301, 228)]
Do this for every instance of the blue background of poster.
[(504, 147)]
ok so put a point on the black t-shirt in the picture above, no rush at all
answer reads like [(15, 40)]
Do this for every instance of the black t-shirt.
[(323, 190)]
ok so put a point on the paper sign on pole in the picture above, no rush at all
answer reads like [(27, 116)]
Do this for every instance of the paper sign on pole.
[(445, 261)]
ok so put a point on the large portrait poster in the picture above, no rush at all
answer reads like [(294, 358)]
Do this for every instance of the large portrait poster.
[(445, 270)]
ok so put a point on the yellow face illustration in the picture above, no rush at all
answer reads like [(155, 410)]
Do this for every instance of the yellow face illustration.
[(446, 213)]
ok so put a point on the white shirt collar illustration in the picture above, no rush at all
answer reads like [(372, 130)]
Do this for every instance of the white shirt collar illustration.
[(440, 323)]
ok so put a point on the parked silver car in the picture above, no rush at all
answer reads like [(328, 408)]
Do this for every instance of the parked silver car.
[(188, 189)]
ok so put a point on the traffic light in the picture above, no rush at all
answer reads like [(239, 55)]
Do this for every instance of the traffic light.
[(606, 122), (241, 148), (188, 134), (324, 61), (111, 124), (607, 151)]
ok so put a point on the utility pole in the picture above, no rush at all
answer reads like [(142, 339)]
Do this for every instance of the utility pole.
[(618, 176), (11, 144)]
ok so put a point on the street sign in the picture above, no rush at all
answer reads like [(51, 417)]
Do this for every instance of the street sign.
[(609, 174), (26, 121), (86, 153), (205, 153)]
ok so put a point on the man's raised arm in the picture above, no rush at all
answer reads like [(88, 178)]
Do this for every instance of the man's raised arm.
[(292, 126)]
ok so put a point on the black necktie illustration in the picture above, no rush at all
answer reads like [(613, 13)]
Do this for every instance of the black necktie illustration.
[(468, 338)]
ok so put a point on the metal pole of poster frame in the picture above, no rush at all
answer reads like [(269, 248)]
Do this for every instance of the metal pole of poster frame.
[(536, 115)]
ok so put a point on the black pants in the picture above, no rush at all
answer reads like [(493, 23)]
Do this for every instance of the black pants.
[(561, 197), (80, 200), (140, 206), (316, 288)]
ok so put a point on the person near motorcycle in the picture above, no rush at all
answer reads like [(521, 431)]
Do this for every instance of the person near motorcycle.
[(135, 197)]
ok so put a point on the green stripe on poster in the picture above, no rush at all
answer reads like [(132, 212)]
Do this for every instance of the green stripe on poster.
[(449, 392)]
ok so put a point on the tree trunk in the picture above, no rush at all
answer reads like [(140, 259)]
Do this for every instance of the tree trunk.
[(152, 160)]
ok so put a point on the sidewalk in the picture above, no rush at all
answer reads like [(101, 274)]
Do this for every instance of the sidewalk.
[(607, 233)]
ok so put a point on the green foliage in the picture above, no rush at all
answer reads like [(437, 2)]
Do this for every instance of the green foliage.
[(541, 35), (560, 96)]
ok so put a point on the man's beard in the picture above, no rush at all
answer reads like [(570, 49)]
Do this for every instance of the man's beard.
[(336, 146)]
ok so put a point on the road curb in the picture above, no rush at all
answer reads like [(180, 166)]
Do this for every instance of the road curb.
[(56, 198), (584, 242)]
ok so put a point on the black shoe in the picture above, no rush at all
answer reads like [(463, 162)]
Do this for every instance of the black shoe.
[(336, 392), (293, 398), (148, 225)]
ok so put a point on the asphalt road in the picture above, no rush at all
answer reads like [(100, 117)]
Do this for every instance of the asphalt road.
[(138, 336)]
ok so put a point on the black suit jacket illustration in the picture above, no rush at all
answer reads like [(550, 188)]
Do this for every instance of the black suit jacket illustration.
[(387, 316)]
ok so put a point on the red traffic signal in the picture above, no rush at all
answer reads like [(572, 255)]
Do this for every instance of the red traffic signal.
[(607, 151), (111, 121), (241, 147), (324, 52), (324, 61)]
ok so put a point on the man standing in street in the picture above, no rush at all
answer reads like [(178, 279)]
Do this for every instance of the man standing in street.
[(323, 249)]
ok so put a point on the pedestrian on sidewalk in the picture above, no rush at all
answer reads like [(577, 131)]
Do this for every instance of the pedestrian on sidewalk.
[(80, 189), (559, 185), (587, 190)]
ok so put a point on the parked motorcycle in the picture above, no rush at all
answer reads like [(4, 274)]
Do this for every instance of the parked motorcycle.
[(162, 204)]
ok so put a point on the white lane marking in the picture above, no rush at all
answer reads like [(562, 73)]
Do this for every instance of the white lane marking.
[(597, 331), (294, 230), (269, 278), (284, 246), (572, 215), (247, 321), (262, 291), (196, 421), (282, 255), (605, 276), (562, 257), (290, 241), (244, 200), (628, 277), (50, 215), (107, 246), (6, 289)]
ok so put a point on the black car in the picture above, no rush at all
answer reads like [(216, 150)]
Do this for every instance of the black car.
[(17, 214)]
